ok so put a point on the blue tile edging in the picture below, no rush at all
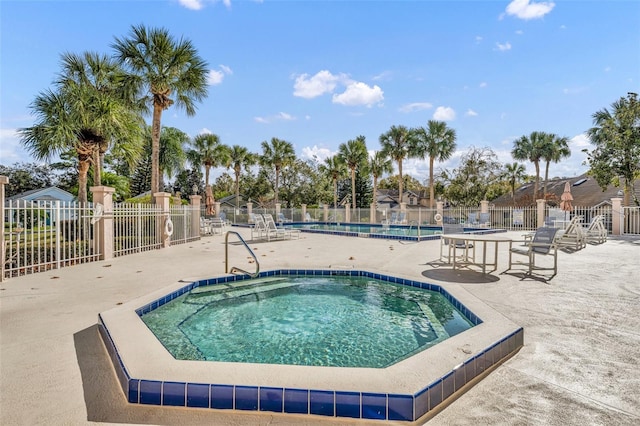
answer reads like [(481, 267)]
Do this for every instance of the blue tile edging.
[(332, 403)]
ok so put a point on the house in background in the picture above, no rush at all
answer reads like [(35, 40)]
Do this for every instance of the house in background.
[(51, 193), (584, 189)]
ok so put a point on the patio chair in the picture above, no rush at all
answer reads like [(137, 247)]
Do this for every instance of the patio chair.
[(223, 216), (401, 219), (472, 219), (218, 225), (283, 219), (307, 217), (543, 243), (205, 226), (573, 237), (596, 232), (452, 244)]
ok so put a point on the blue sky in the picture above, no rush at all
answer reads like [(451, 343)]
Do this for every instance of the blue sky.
[(318, 73)]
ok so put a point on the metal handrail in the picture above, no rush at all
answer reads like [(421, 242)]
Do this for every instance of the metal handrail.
[(226, 256)]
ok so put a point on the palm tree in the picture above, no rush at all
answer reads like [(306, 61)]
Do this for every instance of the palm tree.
[(238, 158), (555, 148), (165, 72), (352, 154), (277, 154), (87, 112), (379, 164), (616, 136), (334, 168), (172, 154), (514, 173), (530, 148), (398, 143), (438, 142), (207, 151)]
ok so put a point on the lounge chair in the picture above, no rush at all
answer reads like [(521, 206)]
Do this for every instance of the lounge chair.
[(307, 217), (596, 232), (283, 219), (543, 243), (218, 225), (573, 236), (259, 230), (205, 226), (485, 220), (278, 232), (472, 219), (401, 219)]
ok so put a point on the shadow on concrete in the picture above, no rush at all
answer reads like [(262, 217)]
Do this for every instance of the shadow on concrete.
[(460, 276), (106, 403)]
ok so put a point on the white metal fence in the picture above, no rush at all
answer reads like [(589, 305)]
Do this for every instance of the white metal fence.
[(44, 235), (135, 228)]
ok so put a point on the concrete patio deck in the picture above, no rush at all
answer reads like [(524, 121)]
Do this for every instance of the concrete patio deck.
[(579, 364)]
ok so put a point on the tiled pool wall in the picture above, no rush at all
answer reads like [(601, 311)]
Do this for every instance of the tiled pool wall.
[(333, 403)]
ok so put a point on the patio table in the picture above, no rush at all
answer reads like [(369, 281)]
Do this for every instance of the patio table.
[(470, 239)]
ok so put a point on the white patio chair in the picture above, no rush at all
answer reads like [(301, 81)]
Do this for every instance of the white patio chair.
[(543, 243)]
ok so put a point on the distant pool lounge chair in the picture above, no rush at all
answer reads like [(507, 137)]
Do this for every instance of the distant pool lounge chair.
[(573, 237), (596, 232), (283, 219)]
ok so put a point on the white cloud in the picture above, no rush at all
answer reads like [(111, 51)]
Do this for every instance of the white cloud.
[(415, 106), (519, 32), (385, 75), (607, 69), (316, 152), (199, 4), (215, 77), (483, 84), (525, 9), (281, 116), (205, 131), (312, 87), (444, 114), (503, 47), (471, 113), (191, 4), (478, 39), (358, 93)]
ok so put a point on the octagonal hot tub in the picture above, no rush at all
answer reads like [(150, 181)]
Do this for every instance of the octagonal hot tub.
[(366, 346)]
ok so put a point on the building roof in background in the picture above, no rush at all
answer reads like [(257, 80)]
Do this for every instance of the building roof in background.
[(52, 193), (585, 191)]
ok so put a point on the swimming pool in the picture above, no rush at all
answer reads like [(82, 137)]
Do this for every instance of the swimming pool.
[(338, 321), (406, 390), (401, 232)]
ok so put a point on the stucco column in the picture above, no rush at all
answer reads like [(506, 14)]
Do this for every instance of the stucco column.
[(541, 204), (278, 210), (484, 206), (303, 210), (249, 208), (4, 180), (347, 213), (440, 210), (103, 228), (372, 213), (162, 200), (326, 213), (195, 214), (216, 207), (617, 216)]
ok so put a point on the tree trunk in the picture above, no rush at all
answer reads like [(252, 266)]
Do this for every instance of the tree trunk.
[(546, 179), (237, 189), (83, 170), (335, 193), (400, 181), (155, 149), (277, 182), (432, 192), (97, 172), (537, 183), (375, 192), (353, 189)]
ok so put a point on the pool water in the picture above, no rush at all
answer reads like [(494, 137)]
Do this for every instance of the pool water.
[(409, 231), (337, 321)]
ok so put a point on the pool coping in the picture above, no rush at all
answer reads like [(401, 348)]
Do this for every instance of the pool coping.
[(405, 391)]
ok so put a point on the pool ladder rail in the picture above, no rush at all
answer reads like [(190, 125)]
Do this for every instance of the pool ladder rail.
[(235, 269)]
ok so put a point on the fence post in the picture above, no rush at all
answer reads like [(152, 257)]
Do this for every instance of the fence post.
[(104, 227), (303, 212), (347, 213), (372, 213), (195, 215), (541, 204), (278, 209), (216, 207), (249, 208), (326, 213), (162, 200), (4, 180), (484, 206), (440, 211), (617, 217)]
